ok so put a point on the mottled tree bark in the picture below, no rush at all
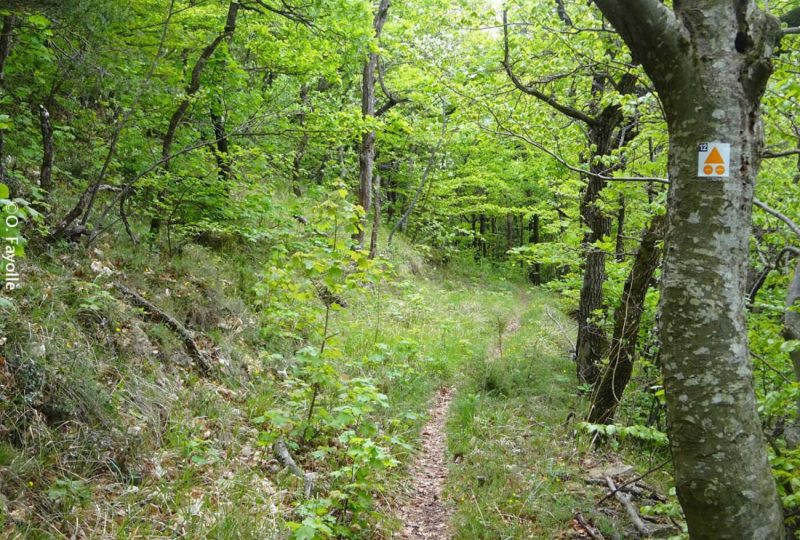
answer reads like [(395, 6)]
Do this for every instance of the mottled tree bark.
[(616, 375), (709, 61)]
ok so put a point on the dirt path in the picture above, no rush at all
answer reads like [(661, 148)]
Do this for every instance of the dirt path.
[(424, 514)]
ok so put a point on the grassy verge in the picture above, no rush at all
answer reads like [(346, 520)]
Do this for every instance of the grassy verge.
[(520, 465)]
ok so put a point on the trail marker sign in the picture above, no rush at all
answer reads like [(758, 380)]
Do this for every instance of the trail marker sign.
[(713, 159)]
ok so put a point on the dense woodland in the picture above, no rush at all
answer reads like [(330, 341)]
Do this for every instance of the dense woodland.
[(418, 269)]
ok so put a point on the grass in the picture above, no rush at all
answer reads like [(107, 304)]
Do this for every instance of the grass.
[(112, 432), (519, 462), (109, 432)]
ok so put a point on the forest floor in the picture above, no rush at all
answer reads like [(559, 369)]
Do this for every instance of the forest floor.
[(487, 358)]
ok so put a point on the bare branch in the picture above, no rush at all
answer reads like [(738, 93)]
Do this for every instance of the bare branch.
[(794, 227), (772, 155), (569, 111), (578, 169)]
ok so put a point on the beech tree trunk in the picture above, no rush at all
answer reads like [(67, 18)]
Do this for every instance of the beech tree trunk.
[(616, 375), (709, 61)]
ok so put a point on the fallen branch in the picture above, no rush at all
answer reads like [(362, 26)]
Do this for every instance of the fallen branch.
[(633, 489), (561, 329), (200, 358), (634, 480), (591, 531), (625, 500), (281, 452)]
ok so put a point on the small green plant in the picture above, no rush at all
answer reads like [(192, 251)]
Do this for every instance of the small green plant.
[(641, 433), (68, 494)]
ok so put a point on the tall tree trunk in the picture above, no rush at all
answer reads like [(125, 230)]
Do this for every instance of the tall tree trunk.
[(376, 218), (48, 151), (710, 62), (620, 247), (509, 232), (366, 153), (482, 231), (297, 162), (222, 154), (191, 89), (592, 343), (611, 385), (791, 331), (535, 271)]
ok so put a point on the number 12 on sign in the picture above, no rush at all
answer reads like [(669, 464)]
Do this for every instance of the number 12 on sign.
[(713, 159)]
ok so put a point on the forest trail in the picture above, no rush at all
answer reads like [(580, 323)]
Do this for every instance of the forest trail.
[(424, 514)]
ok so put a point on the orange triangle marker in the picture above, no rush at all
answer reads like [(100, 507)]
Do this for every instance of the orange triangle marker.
[(714, 157)]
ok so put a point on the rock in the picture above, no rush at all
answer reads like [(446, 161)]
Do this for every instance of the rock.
[(611, 470)]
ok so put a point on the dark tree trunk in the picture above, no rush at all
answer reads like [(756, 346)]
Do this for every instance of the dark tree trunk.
[(535, 271), (191, 89), (509, 232), (297, 162), (592, 344), (366, 153), (222, 154), (483, 235), (611, 385), (620, 247)]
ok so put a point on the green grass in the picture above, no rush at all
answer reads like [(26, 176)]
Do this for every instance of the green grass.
[(152, 450), (515, 461)]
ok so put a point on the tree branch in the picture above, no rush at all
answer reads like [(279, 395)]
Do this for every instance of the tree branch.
[(649, 28), (578, 169), (530, 90), (772, 155), (794, 227)]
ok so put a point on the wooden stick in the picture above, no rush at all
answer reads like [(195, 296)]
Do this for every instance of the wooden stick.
[(281, 452), (157, 314), (654, 469), (591, 531), (626, 502)]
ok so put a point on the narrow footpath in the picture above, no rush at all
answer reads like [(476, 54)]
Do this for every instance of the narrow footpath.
[(425, 514)]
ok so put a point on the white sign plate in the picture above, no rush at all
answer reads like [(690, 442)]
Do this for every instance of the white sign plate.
[(714, 159)]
